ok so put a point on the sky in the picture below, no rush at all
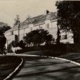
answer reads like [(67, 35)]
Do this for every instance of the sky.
[(10, 8)]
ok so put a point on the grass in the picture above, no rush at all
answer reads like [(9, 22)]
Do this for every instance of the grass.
[(7, 65), (72, 56), (44, 53), (75, 56)]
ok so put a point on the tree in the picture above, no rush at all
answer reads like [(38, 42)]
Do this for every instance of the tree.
[(4, 27), (58, 36), (69, 17), (2, 43), (48, 39), (21, 44), (39, 36)]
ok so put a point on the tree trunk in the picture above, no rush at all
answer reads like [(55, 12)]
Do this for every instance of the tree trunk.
[(58, 36)]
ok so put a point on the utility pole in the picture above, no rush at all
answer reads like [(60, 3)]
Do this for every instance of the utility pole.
[(18, 28)]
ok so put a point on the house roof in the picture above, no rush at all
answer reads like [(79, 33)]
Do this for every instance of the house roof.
[(35, 20)]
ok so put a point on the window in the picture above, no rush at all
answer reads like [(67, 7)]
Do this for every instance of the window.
[(64, 37), (47, 25), (11, 32)]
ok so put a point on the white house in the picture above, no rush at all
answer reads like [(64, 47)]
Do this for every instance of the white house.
[(46, 21)]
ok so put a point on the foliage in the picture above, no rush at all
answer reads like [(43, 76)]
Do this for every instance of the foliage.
[(58, 36), (4, 27), (2, 43), (69, 17), (39, 36), (21, 44), (14, 43)]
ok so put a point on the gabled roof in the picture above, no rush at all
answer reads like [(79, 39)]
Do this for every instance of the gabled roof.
[(36, 20)]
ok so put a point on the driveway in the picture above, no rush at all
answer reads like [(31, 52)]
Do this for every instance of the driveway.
[(48, 69)]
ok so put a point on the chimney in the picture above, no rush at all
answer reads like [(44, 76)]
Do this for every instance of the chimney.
[(47, 12), (28, 17)]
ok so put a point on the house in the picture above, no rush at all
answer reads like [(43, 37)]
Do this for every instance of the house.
[(46, 21), (66, 37)]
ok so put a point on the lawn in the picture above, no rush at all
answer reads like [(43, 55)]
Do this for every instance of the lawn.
[(72, 56), (7, 65)]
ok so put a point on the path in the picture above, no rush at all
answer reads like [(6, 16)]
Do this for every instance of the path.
[(48, 69)]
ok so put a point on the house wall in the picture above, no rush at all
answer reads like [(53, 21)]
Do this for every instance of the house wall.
[(53, 29), (31, 26), (42, 26), (49, 25), (35, 27), (15, 32), (68, 35), (9, 38), (8, 33), (22, 31), (26, 30)]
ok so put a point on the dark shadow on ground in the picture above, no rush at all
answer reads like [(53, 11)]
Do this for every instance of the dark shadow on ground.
[(68, 70), (38, 70)]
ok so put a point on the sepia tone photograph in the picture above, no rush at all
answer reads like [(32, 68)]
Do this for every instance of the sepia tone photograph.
[(39, 40)]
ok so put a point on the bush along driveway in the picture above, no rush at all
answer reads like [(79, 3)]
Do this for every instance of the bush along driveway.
[(9, 65)]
